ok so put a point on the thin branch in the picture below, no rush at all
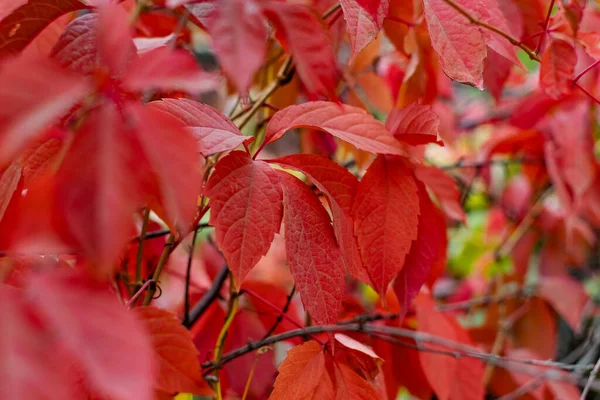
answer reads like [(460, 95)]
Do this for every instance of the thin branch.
[(517, 293), (163, 232), (284, 311), (460, 349), (493, 161), (546, 23), (209, 297), (188, 277), (590, 380)]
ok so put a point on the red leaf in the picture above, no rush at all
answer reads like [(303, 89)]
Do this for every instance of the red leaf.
[(490, 12), (355, 345), (8, 6), (98, 186), (386, 212), (9, 181), (350, 385), (239, 35), (171, 152), (167, 69), (34, 95), (213, 131), (427, 253), (114, 40), (460, 44), (24, 23), (558, 65), (303, 374), (364, 19), (566, 296), (312, 252), (76, 48), (496, 73), (308, 42), (246, 209), (339, 185), (450, 378), (29, 367), (348, 123), (415, 125), (179, 369), (109, 344), (444, 188), (39, 159)]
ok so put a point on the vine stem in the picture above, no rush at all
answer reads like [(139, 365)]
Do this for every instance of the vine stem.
[(231, 312), (161, 263)]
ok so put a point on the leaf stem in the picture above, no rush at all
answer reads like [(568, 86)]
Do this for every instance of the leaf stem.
[(161, 263), (140, 249), (546, 22)]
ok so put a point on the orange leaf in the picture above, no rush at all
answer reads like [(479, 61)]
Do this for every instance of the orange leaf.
[(179, 369), (302, 374)]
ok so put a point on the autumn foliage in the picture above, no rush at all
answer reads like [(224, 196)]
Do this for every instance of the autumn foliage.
[(299, 199)]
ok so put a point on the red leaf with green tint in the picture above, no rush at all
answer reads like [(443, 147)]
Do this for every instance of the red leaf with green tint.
[(24, 23), (246, 210), (176, 354), (345, 122), (312, 252), (339, 185), (460, 44), (213, 131), (386, 218)]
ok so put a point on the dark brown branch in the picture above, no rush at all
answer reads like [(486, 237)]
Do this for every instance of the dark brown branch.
[(208, 298), (456, 349)]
